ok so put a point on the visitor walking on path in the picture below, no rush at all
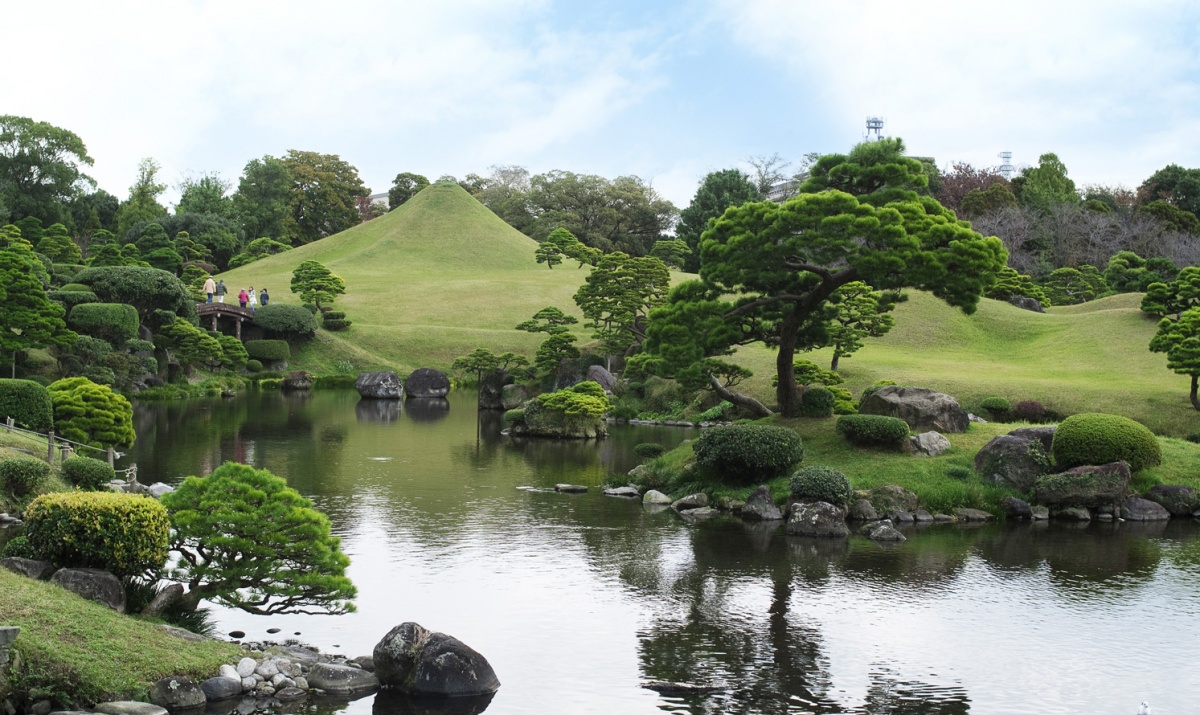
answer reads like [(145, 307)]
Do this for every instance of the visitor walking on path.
[(210, 288), (221, 291), (242, 297), (253, 300), (266, 297)]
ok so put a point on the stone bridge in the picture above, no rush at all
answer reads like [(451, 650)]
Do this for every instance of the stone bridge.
[(233, 312)]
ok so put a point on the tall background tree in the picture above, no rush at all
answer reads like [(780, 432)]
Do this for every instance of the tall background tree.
[(28, 319), (718, 191), (262, 200), (404, 187), (323, 194), (142, 204), (41, 169)]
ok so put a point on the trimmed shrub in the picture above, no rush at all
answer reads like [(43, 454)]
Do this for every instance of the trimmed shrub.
[(253, 365), (114, 322), (872, 430), (268, 350), (289, 320), (334, 315), (233, 350), (73, 287), (27, 402), (996, 407), (91, 414), (335, 325), (1029, 411), (649, 450), (821, 484), (748, 454), (87, 473), (957, 471), (816, 401), (514, 416), (139, 346), (21, 476), (122, 533), (72, 298), (17, 547), (1096, 438)]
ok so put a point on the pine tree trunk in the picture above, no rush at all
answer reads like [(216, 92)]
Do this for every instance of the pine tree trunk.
[(1195, 399), (737, 398)]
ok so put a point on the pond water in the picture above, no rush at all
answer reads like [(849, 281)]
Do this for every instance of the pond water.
[(577, 600)]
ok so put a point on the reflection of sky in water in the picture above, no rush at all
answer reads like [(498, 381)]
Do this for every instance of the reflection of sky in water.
[(575, 600)]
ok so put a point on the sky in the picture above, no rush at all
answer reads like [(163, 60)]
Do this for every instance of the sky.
[(667, 90)]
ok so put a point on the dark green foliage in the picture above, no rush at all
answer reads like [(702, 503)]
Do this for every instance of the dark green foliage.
[(1180, 340), (18, 547), (28, 403), (87, 473), (1071, 286), (514, 416), (335, 382), (996, 407), (873, 430), (617, 295), (146, 289), (718, 191), (1009, 284), (1127, 272), (553, 350), (250, 541), (292, 321), (253, 365), (233, 350), (335, 325), (125, 534), (114, 322), (959, 472), (649, 450), (72, 298), (315, 284), (91, 414), (1029, 411), (28, 318), (821, 484), (268, 350), (257, 249), (21, 476), (748, 454), (333, 315), (817, 401), (1096, 438), (405, 186)]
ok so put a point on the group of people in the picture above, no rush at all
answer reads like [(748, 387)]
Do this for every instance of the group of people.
[(247, 298)]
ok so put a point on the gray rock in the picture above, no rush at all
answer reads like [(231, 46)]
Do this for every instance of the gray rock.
[(157, 489), (922, 517), (281, 681), (703, 513), (41, 707), (1043, 434), (861, 510), (817, 519), (921, 408), (342, 679), (1139, 509), (1012, 461), (267, 669), (1015, 508), (290, 693), (964, 514), (570, 488), (1087, 486), (8, 634), (760, 506), (94, 585), (491, 385), (183, 634), (691, 501), (287, 667), (627, 491), (884, 531), (513, 396), (639, 472), (892, 497), (423, 662), (264, 690), (1024, 302), (221, 688), (32, 568), (246, 666), (228, 671), (942, 518), (365, 662), (1040, 513), (129, 707), (162, 600), (297, 654), (249, 683), (427, 382), (928, 444), (602, 377), (1073, 513), (1179, 501), (899, 516), (302, 682), (655, 497), (384, 385)]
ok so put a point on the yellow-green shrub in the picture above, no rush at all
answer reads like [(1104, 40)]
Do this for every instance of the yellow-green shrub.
[(122, 533)]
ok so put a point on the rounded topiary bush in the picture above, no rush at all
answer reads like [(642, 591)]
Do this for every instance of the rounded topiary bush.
[(253, 365), (17, 547), (87, 473), (125, 534), (114, 322), (21, 476), (649, 450), (268, 350), (1096, 438), (821, 484), (287, 320), (873, 430), (817, 401), (996, 407), (1029, 411), (333, 325), (72, 298), (748, 454), (27, 402)]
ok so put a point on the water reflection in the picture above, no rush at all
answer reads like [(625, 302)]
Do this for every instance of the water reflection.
[(381, 411), (427, 409), (392, 702)]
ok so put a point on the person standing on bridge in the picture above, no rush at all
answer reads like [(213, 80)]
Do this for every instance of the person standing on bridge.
[(209, 288), (221, 291), (253, 300), (243, 297)]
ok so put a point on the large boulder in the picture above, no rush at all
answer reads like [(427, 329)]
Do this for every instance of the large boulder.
[(928, 444), (31, 568), (1041, 433), (603, 377), (760, 506), (94, 585), (384, 385), (1179, 501), (427, 382), (491, 387), (1139, 509), (892, 498), (342, 680), (1024, 302), (1087, 486), (422, 662), (1012, 461), (921, 408), (177, 693), (817, 519), (513, 396)]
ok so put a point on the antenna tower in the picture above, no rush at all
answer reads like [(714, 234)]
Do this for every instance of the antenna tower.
[(1006, 168), (874, 129)]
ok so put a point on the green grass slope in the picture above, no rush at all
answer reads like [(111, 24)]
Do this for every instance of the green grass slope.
[(432, 280)]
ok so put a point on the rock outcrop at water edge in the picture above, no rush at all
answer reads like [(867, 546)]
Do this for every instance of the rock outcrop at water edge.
[(423, 662), (385, 385)]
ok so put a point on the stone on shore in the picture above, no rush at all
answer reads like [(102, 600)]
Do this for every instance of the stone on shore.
[(342, 680), (820, 519), (177, 693), (94, 585), (31, 568)]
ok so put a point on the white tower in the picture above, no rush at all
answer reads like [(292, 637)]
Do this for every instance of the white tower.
[(1006, 168), (874, 129)]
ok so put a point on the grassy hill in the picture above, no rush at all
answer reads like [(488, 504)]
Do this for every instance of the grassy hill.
[(442, 275)]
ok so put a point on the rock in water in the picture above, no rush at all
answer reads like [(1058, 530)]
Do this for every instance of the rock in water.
[(380, 386), (177, 693), (817, 519), (427, 382), (342, 680), (423, 662), (761, 507)]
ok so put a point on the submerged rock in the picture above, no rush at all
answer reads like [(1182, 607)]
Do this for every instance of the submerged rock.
[(820, 519)]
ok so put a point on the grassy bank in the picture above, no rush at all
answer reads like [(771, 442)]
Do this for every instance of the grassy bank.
[(77, 652)]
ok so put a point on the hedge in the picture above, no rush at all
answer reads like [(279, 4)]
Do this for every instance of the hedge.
[(290, 320), (72, 298), (748, 454), (268, 350), (87, 473), (22, 475), (125, 534), (335, 325), (1097, 438), (114, 322), (873, 430), (28, 403)]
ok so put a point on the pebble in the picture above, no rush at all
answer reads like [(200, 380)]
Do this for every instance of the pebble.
[(272, 630)]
